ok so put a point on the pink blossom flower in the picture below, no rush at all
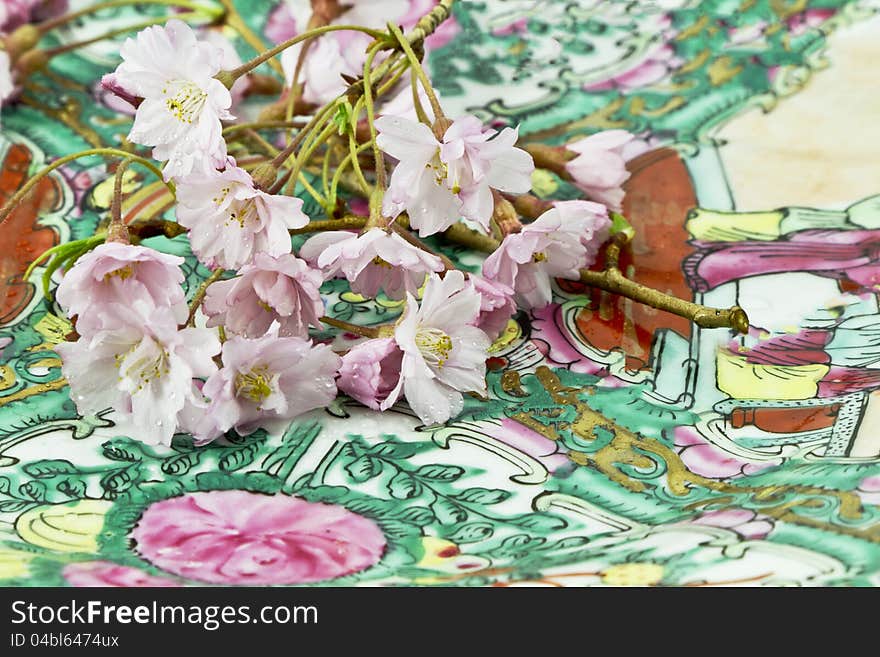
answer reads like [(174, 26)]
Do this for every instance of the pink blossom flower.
[(238, 537), (267, 382), (138, 363), (116, 97), (15, 13), (372, 261), (444, 353), (282, 289), (600, 168), (562, 241), (230, 220), (327, 60), (116, 273), (335, 54), (106, 573), (496, 305), (183, 102), (437, 183), (371, 371)]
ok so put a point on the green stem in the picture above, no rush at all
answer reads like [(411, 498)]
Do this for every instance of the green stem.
[(229, 77), (350, 222), (32, 182), (418, 69), (116, 203), (381, 182), (262, 125), (111, 4), (237, 23), (200, 295), (363, 331), (68, 47)]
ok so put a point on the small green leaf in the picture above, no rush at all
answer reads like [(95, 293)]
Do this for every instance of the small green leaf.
[(342, 117), (404, 486), (540, 522), (181, 463), (471, 532), (11, 506), (364, 468), (620, 224), (49, 468), (117, 453), (483, 495), (395, 450), (75, 488), (36, 490), (448, 513), (417, 515), (437, 472)]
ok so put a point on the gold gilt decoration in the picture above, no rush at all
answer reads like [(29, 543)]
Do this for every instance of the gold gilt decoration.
[(628, 448)]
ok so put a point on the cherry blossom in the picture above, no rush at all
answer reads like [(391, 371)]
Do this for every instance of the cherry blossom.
[(497, 305), (444, 354), (562, 241), (600, 167), (437, 183), (282, 289), (267, 382), (376, 260), (183, 104), (115, 273), (141, 365), (231, 221), (371, 371), (7, 86)]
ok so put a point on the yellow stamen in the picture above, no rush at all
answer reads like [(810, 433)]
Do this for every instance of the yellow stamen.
[(434, 345)]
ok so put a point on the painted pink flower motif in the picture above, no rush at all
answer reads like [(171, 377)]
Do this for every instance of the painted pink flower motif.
[(370, 373), (600, 168), (562, 241), (114, 273), (235, 537), (530, 442), (869, 490), (230, 220), (373, 261), (747, 523), (556, 344), (106, 573), (282, 289), (706, 460), (650, 70), (267, 382), (496, 305), (437, 182)]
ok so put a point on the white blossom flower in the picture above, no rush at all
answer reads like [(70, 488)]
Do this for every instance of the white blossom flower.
[(230, 220), (439, 182), (7, 86), (140, 365), (444, 353), (183, 102)]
